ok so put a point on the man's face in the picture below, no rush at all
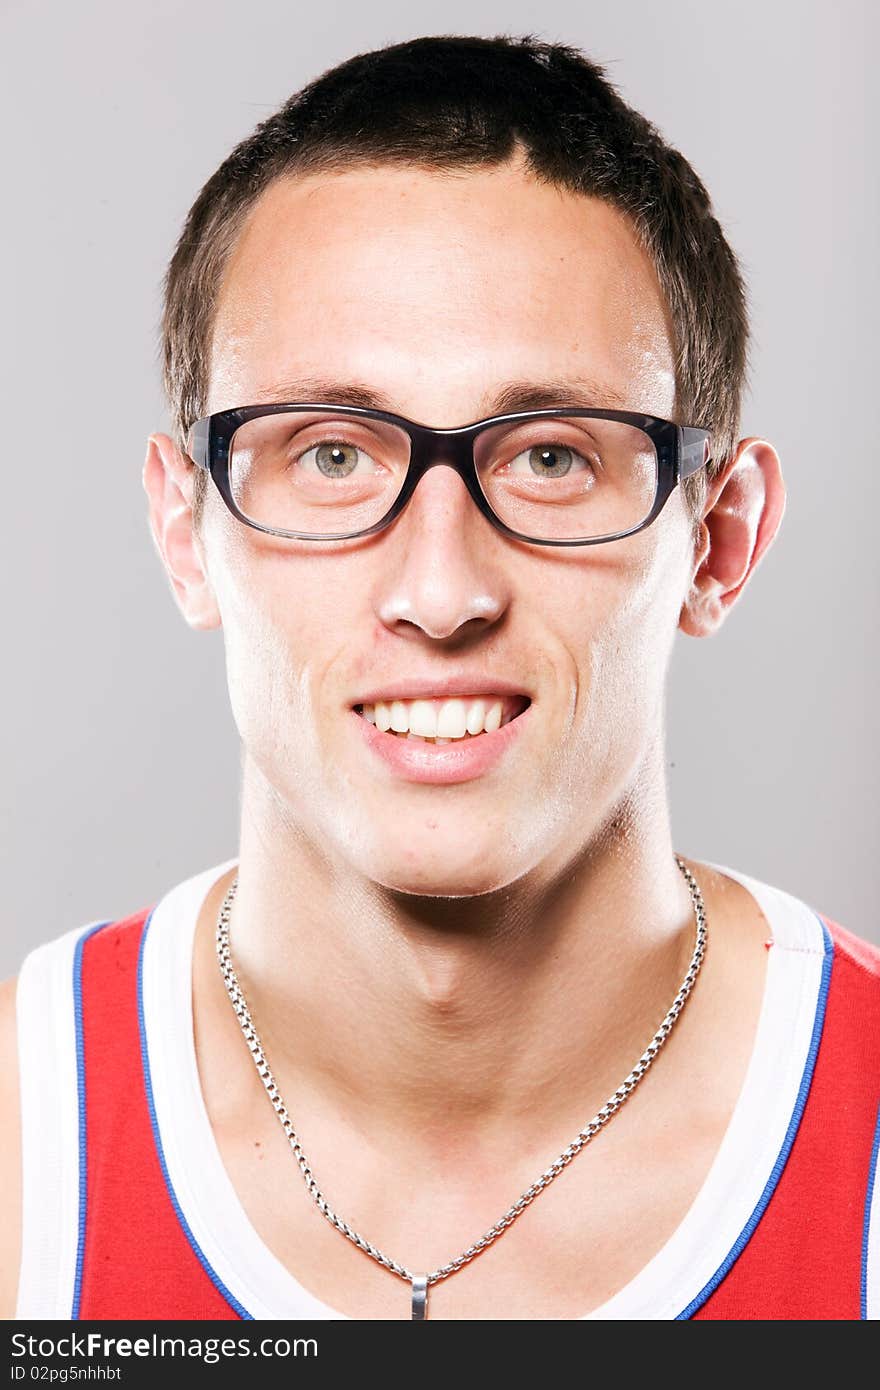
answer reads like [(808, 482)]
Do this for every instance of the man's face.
[(435, 290)]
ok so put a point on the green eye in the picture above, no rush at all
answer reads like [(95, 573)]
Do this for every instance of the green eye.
[(335, 459), (547, 461), (547, 457)]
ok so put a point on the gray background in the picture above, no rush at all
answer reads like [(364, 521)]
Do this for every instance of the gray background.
[(120, 755)]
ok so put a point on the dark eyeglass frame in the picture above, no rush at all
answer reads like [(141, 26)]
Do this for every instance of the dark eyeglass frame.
[(681, 450)]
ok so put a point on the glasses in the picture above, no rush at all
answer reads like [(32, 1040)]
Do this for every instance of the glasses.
[(562, 476)]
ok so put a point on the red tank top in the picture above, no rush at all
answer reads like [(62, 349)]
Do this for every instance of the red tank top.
[(782, 1229)]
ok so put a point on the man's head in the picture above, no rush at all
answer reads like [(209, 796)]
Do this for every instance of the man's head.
[(433, 222), (458, 104)]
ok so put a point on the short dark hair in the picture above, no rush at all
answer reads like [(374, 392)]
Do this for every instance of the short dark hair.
[(450, 101)]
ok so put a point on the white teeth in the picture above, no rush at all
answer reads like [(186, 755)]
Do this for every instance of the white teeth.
[(452, 719), (422, 718), (399, 717), (475, 716), (493, 718), (441, 720)]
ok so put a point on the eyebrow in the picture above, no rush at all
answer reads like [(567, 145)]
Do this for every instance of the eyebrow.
[(505, 399)]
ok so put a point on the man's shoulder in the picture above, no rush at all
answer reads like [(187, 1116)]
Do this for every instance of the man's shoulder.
[(176, 898), (850, 1005), (47, 960), (10, 1162), (7, 1017), (797, 922), (859, 954)]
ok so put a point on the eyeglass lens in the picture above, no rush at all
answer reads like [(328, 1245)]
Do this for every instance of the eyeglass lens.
[(553, 478)]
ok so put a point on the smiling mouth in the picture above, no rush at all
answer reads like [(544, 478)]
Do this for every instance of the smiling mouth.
[(444, 721)]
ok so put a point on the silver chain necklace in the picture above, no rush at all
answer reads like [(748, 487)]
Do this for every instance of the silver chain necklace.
[(420, 1282)]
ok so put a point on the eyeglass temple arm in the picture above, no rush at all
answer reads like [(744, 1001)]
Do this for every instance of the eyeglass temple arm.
[(694, 451), (197, 442)]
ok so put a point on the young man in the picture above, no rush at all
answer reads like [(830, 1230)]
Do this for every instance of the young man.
[(515, 1058)]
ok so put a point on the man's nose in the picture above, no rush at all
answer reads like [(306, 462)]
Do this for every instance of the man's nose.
[(446, 570)]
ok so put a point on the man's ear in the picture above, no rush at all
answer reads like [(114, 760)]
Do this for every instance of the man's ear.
[(168, 478), (741, 516)]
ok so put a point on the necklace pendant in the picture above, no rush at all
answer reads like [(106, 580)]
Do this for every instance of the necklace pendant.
[(420, 1297)]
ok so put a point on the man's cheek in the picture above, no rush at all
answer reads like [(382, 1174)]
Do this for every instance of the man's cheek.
[(263, 687)]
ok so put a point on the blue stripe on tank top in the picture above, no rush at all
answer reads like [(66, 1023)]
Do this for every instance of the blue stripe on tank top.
[(787, 1142), (81, 1112), (157, 1139), (869, 1196)]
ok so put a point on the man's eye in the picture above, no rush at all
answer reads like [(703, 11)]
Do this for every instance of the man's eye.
[(335, 459), (548, 461)]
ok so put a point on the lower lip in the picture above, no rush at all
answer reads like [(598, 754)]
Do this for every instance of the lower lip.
[(417, 761)]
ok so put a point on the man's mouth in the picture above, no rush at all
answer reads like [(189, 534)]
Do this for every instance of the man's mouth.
[(444, 720)]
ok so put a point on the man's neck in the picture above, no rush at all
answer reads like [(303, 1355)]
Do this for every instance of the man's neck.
[(425, 1017)]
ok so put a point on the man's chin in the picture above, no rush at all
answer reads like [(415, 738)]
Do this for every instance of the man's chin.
[(455, 873)]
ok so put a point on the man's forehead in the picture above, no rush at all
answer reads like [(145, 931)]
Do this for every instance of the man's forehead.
[(518, 296)]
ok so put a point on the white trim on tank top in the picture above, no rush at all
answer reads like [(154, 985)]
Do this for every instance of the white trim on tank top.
[(49, 1091)]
